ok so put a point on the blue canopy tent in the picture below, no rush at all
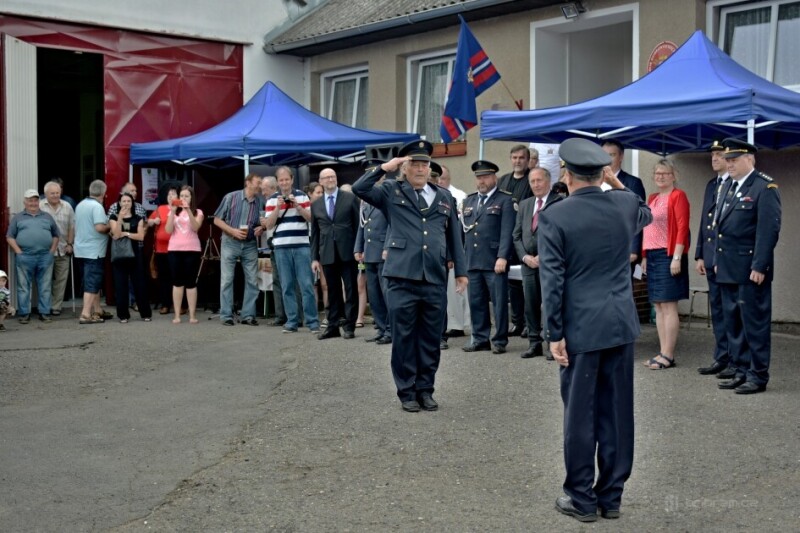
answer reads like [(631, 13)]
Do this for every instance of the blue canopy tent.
[(697, 95), (271, 129)]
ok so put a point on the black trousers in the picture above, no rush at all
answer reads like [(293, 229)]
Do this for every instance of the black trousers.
[(342, 307), (516, 297), (376, 294), (597, 390), (485, 285), (416, 312), (721, 353), (748, 318), (164, 280), (124, 269), (532, 289)]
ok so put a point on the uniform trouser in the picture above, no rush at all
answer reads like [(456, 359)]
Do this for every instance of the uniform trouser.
[(416, 312), (376, 289), (342, 307), (532, 288), (748, 316), (60, 277), (597, 390), (721, 354), (458, 316), (516, 298), (483, 286)]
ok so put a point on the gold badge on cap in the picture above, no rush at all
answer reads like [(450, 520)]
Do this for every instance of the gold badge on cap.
[(422, 144)]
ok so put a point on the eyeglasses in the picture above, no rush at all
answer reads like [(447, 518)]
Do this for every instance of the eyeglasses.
[(663, 173)]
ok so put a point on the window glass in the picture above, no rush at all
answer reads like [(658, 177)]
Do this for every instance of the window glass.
[(787, 50), (747, 36)]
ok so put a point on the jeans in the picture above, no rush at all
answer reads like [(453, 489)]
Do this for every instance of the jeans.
[(247, 252), (294, 265), (38, 267)]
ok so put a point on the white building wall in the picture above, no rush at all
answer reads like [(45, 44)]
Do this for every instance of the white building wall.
[(243, 22)]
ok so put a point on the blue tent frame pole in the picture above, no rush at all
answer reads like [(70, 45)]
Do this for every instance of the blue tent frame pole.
[(751, 131), (246, 165), (480, 150)]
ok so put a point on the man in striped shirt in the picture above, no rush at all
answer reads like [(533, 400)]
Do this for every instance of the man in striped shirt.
[(288, 211)]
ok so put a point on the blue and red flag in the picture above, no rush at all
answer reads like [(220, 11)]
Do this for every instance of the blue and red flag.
[(473, 73)]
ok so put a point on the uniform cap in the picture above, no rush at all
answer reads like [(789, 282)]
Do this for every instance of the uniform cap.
[(31, 193), (716, 146), (481, 168), (735, 148), (420, 150), (583, 157), (436, 169)]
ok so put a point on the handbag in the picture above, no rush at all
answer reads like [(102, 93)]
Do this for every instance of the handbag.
[(121, 249), (153, 266)]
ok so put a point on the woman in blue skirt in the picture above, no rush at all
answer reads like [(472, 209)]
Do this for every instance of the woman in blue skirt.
[(666, 263)]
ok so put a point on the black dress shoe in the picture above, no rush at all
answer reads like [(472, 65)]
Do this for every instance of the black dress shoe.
[(564, 506), (386, 339), (715, 368), (499, 349), (443, 345), (524, 333), (329, 333), (515, 331), (610, 514), (411, 406), (477, 347), (450, 333), (748, 387), (348, 334), (374, 338), (731, 383), (728, 373), (427, 402), (533, 351)]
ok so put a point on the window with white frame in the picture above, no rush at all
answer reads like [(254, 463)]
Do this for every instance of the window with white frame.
[(345, 96), (429, 81), (764, 37)]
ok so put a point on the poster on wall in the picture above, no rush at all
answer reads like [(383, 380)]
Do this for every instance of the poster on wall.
[(150, 188)]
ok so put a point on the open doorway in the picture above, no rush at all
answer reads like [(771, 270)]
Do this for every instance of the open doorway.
[(70, 119)]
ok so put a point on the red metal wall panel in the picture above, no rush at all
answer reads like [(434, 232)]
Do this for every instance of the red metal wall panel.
[(156, 87)]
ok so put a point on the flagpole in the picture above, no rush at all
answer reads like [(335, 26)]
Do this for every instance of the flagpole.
[(518, 103)]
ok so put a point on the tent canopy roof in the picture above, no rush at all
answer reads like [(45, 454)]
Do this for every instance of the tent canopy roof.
[(271, 128), (697, 95)]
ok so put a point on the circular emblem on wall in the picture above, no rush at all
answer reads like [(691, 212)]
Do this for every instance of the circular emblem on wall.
[(660, 54)]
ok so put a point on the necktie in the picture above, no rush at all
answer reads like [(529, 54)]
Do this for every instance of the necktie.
[(481, 201), (535, 221), (421, 199), (731, 196), (330, 207), (719, 190)]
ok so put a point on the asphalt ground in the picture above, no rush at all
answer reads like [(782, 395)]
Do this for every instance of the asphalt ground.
[(157, 427)]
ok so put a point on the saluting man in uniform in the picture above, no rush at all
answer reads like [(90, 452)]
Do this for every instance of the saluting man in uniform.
[(748, 224), (584, 266), (488, 217), (424, 235), (704, 257)]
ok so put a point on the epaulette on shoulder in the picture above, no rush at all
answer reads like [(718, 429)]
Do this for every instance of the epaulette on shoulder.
[(764, 177), (505, 192)]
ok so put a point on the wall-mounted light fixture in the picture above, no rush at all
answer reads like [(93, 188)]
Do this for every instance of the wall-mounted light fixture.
[(571, 10)]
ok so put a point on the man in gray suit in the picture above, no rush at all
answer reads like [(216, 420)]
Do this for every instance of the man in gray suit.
[(525, 237), (584, 252)]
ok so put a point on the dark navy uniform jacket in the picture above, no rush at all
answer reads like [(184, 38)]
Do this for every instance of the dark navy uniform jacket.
[(372, 235), (707, 235), (488, 231), (747, 231), (420, 242), (635, 185), (583, 238)]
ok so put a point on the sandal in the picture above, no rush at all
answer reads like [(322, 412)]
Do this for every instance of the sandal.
[(359, 324), (123, 320), (652, 361), (655, 364), (90, 319), (193, 321)]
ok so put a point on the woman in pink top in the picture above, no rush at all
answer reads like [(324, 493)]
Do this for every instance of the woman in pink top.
[(183, 223), (160, 249)]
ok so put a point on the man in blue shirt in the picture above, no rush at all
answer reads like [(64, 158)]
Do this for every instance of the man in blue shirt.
[(33, 236)]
